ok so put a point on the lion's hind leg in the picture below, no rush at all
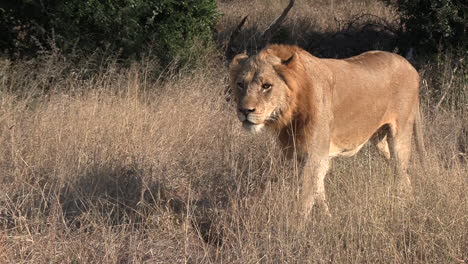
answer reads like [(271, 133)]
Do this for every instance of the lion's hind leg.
[(380, 141), (399, 145)]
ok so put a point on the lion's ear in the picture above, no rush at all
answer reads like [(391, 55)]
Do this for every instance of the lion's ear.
[(236, 64), (288, 61), (238, 60)]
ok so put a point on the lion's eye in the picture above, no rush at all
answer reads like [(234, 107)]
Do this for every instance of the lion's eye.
[(240, 85), (266, 86)]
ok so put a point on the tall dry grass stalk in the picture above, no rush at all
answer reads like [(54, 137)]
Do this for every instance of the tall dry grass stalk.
[(118, 167)]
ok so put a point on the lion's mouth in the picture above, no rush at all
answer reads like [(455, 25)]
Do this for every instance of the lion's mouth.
[(248, 123), (252, 127), (272, 118)]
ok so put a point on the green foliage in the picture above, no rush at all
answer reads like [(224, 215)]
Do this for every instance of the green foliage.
[(169, 27), (434, 24)]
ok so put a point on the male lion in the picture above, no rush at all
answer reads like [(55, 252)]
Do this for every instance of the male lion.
[(322, 108)]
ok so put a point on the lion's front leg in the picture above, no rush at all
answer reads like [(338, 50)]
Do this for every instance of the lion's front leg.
[(313, 185)]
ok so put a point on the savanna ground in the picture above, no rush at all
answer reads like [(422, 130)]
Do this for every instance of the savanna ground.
[(127, 167)]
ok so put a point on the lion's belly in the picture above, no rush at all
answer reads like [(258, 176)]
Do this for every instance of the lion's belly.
[(347, 152), (348, 138), (355, 122)]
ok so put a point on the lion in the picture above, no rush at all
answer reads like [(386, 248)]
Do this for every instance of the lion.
[(324, 108)]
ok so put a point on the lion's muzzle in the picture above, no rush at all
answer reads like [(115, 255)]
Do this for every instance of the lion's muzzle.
[(246, 114), (250, 116), (251, 120)]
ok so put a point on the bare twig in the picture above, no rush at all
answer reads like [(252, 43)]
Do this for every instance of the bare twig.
[(268, 33), (265, 36), (235, 33)]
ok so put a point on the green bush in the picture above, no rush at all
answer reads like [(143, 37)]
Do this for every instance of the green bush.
[(434, 24), (170, 27)]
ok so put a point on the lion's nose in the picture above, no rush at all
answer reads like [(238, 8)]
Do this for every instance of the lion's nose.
[(246, 111)]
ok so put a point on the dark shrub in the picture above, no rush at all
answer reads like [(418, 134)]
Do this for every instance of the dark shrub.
[(128, 26), (434, 24)]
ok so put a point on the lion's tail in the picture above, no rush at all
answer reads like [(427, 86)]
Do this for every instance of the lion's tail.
[(418, 136)]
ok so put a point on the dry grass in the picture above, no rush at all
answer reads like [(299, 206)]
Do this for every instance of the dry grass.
[(119, 168)]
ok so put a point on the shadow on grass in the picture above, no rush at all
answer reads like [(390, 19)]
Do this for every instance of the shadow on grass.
[(114, 196), (361, 33)]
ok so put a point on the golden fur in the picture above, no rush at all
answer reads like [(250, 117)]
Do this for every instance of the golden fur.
[(322, 108)]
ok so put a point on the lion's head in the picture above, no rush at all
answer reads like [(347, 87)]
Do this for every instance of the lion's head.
[(264, 86)]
